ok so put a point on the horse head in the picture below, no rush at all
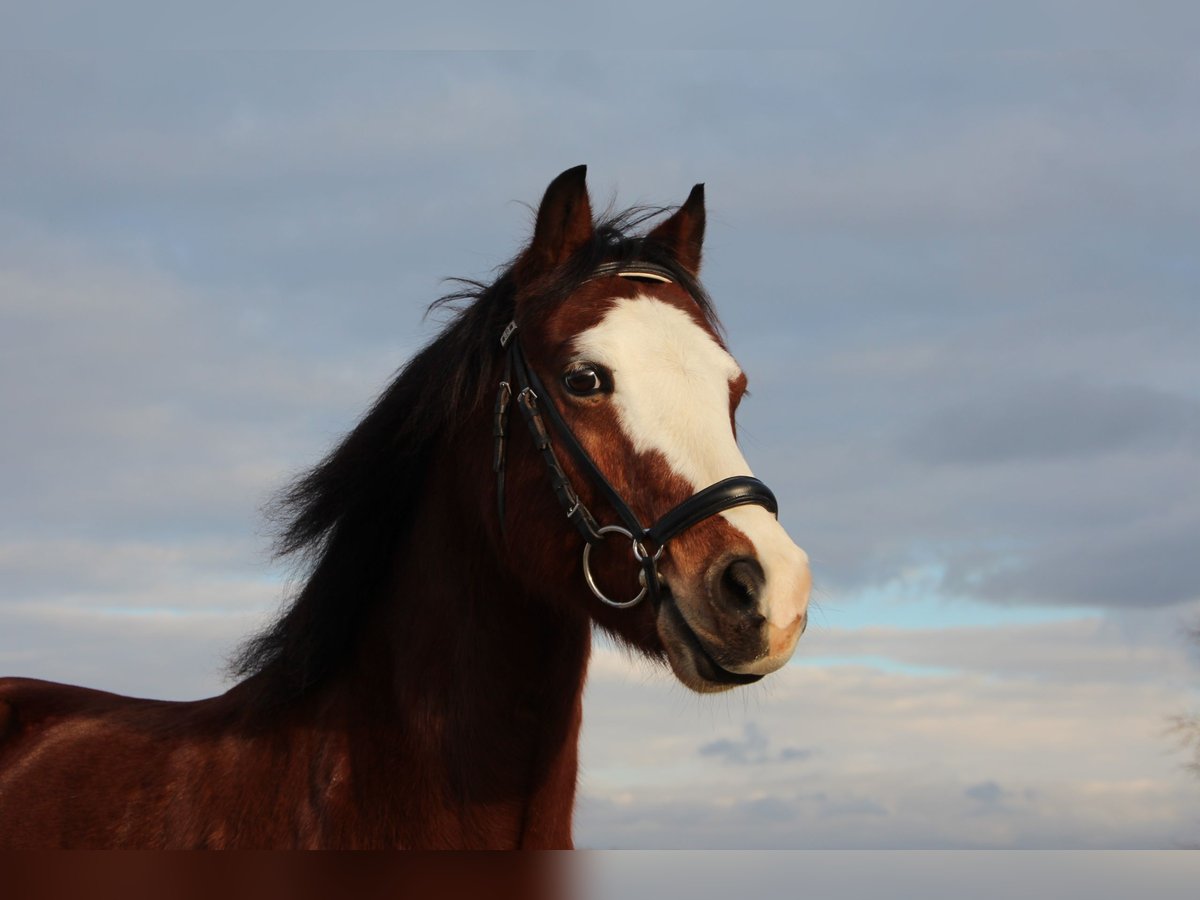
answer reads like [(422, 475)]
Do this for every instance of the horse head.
[(616, 361)]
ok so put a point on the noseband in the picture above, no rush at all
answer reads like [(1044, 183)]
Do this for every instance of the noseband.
[(648, 544)]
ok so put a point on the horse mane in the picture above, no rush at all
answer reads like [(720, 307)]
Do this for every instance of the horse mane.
[(343, 519)]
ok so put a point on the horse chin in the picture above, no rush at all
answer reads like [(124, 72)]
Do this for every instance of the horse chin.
[(689, 660)]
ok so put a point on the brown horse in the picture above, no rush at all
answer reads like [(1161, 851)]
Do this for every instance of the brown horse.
[(424, 687)]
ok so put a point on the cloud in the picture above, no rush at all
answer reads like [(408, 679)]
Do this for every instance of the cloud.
[(987, 793), (751, 749), (769, 809), (1104, 524), (140, 650), (116, 569), (1077, 651), (144, 405), (788, 754), (897, 758), (1147, 564), (850, 806), (1056, 421)]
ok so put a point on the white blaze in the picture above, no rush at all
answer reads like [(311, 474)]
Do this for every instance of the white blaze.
[(671, 394)]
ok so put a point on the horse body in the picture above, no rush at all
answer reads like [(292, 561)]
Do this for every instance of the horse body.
[(425, 687)]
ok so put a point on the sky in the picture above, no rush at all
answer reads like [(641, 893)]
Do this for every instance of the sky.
[(965, 289)]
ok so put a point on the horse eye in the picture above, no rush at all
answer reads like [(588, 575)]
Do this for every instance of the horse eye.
[(584, 381)]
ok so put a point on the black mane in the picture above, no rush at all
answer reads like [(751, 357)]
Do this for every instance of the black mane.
[(345, 517)]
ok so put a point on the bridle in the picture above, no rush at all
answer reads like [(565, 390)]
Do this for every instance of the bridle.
[(648, 543)]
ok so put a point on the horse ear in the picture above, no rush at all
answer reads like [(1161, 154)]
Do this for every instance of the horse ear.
[(564, 224), (683, 233)]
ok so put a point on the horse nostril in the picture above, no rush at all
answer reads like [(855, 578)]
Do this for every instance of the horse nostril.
[(742, 583)]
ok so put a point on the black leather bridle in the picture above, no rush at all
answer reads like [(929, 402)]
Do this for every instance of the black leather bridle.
[(521, 381)]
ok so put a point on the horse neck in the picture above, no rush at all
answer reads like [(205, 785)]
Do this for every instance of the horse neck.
[(470, 687)]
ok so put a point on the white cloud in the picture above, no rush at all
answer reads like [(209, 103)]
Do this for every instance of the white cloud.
[(894, 760), (140, 650)]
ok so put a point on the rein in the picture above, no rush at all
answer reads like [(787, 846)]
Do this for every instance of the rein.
[(649, 543)]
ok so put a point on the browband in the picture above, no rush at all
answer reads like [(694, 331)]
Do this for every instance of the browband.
[(634, 270)]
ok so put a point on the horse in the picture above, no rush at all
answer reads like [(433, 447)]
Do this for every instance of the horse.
[(422, 688)]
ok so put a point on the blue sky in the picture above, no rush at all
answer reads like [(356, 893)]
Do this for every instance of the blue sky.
[(965, 289)]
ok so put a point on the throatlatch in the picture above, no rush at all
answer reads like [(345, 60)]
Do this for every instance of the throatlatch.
[(647, 544)]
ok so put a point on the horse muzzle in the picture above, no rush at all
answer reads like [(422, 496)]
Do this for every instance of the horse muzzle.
[(741, 616), (736, 624)]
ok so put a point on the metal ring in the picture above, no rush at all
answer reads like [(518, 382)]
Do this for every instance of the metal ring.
[(639, 549), (591, 582)]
